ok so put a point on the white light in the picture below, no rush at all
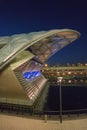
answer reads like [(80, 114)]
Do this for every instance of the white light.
[(81, 72), (69, 72), (59, 79), (69, 81)]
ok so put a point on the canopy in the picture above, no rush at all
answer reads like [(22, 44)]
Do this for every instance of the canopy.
[(42, 44)]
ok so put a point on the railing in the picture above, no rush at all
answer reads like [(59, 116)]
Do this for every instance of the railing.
[(64, 112), (45, 115)]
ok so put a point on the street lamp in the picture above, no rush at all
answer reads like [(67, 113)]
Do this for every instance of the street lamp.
[(59, 80)]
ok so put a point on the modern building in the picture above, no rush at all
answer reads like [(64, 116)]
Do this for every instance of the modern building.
[(21, 59)]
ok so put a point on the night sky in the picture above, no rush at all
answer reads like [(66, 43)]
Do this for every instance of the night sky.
[(24, 16)]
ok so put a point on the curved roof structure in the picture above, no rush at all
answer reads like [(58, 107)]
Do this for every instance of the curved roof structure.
[(42, 44)]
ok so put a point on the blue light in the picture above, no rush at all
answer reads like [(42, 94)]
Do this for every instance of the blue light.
[(32, 74)]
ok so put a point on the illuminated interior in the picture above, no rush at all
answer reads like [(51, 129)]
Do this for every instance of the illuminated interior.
[(31, 70), (48, 46), (31, 75)]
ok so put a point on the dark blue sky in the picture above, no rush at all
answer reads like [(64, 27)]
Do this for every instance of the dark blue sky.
[(24, 16)]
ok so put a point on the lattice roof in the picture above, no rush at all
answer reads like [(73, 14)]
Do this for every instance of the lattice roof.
[(42, 44)]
